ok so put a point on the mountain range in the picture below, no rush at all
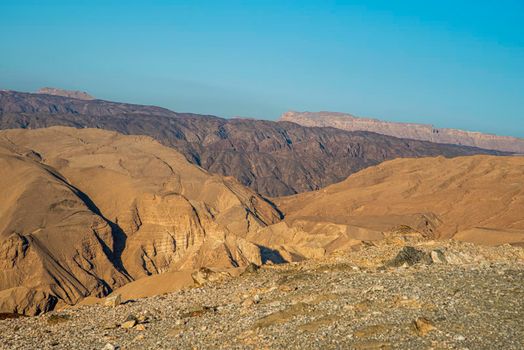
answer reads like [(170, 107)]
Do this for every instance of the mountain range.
[(101, 197), (272, 158), (412, 131)]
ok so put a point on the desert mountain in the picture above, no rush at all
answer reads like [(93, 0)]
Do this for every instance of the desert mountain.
[(81, 95), (273, 158), (477, 199), (406, 130), (84, 211)]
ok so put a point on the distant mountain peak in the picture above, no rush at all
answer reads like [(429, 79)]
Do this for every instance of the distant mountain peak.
[(81, 95), (415, 131)]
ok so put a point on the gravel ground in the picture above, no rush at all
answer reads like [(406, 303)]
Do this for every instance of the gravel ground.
[(348, 301)]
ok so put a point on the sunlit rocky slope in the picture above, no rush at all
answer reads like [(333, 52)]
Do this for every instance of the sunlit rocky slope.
[(85, 211)]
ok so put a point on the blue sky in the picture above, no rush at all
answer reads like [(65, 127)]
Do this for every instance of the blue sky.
[(454, 64)]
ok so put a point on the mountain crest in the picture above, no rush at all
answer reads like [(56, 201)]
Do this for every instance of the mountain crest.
[(80, 95)]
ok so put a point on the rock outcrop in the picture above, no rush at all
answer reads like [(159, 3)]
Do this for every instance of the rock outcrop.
[(413, 131), (86, 211), (81, 95), (272, 158)]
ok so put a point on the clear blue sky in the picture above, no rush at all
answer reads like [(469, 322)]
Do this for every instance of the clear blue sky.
[(451, 63)]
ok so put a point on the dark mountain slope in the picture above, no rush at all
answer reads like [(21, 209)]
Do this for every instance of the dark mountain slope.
[(274, 158)]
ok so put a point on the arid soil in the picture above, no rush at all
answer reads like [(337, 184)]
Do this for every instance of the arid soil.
[(403, 293), (478, 196)]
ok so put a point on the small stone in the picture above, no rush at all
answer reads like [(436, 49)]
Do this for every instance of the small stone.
[(111, 325), (409, 256), (286, 288), (251, 268), (128, 324), (110, 346), (140, 327), (248, 303), (257, 299), (142, 319), (205, 275), (459, 337), (194, 311), (423, 326), (437, 257), (113, 300), (57, 318)]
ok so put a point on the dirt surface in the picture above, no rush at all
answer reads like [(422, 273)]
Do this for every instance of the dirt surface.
[(390, 295)]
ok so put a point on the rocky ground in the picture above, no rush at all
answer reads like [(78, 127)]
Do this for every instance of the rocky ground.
[(396, 294)]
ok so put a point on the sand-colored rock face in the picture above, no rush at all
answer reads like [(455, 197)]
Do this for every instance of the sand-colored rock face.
[(85, 211), (413, 131), (81, 95), (463, 197)]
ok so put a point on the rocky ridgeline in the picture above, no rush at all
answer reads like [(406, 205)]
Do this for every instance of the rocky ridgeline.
[(80, 95), (399, 293), (413, 131)]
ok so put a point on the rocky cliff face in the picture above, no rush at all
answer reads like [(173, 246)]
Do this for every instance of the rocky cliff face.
[(406, 130), (85, 211), (272, 158)]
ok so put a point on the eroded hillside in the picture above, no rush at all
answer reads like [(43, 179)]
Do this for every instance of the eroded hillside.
[(86, 211)]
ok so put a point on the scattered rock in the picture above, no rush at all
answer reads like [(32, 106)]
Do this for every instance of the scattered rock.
[(142, 319), (197, 310), (409, 256), (315, 325), (248, 303), (281, 316), (372, 330), (437, 257), (57, 318), (251, 268), (334, 308), (129, 322), (113, 300), (111, 325), (423, 326), (205, 275)]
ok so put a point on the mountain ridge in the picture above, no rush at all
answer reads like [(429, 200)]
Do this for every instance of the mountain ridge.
[(272, 158), (415, 131)]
